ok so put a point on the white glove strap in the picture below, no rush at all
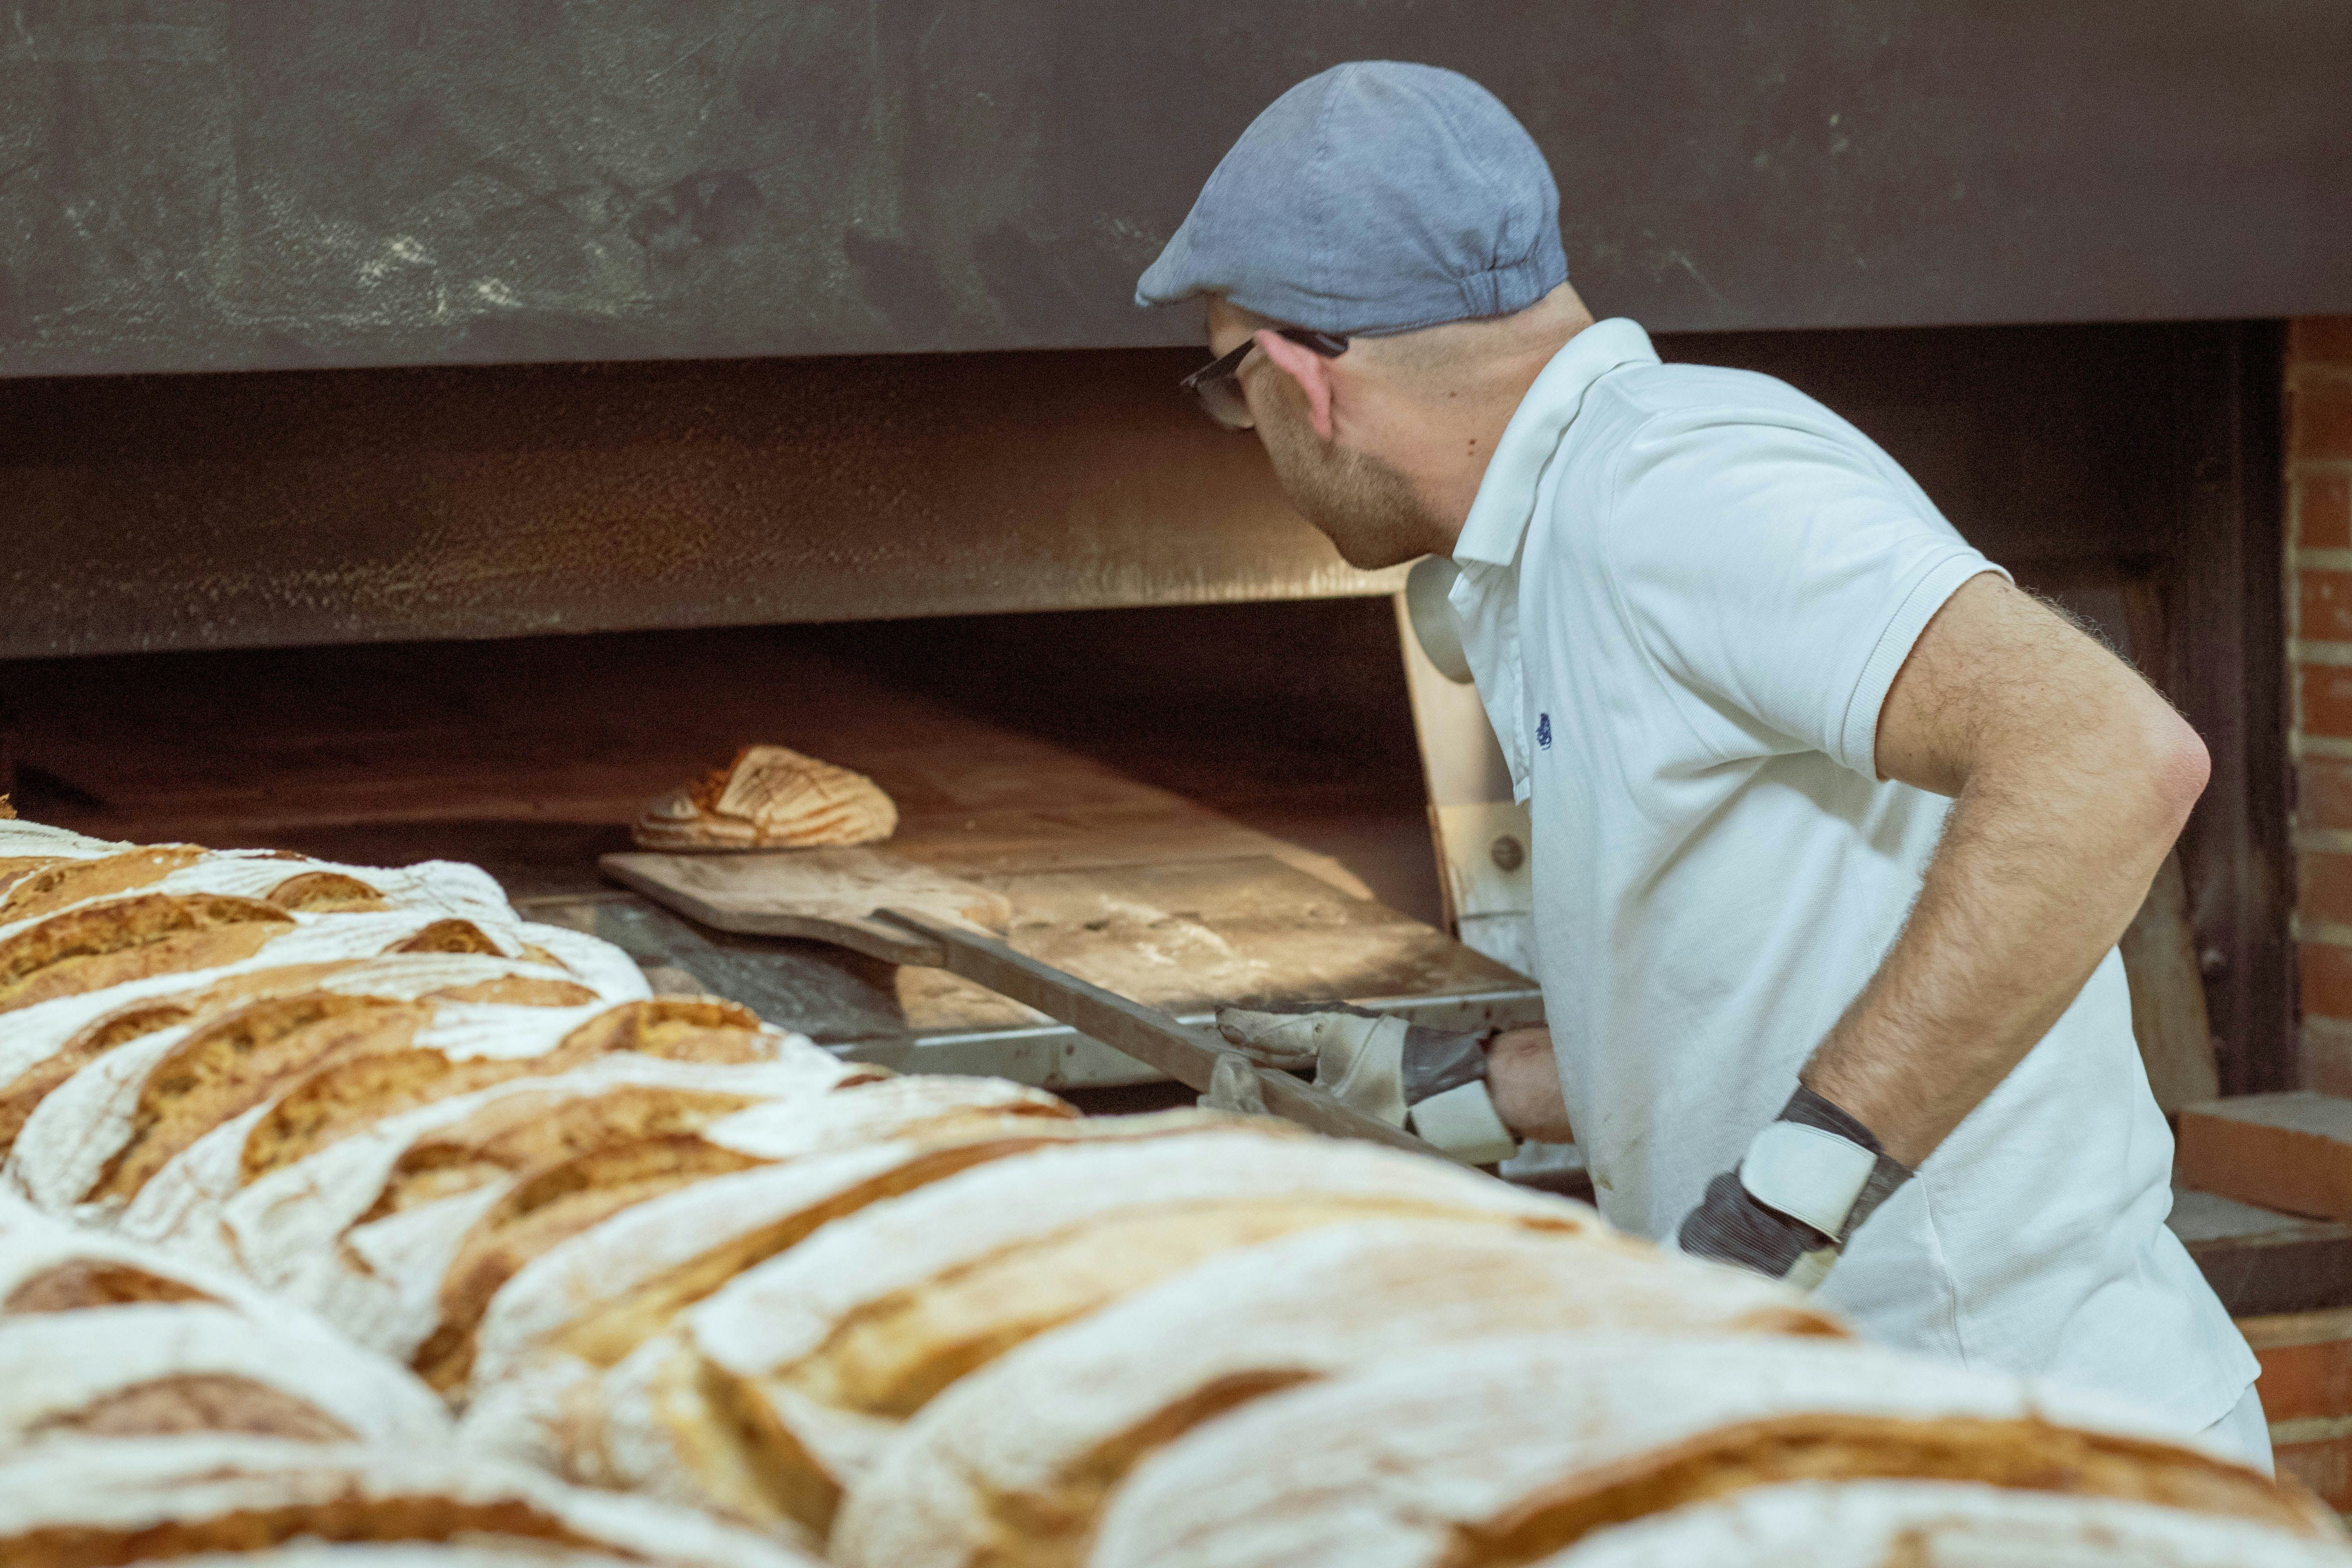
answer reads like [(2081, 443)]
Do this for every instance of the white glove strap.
[(1369, 1073), (1462, 1122), (1806, 1173)]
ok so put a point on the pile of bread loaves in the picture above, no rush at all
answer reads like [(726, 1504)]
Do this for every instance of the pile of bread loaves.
[(355, 1222)]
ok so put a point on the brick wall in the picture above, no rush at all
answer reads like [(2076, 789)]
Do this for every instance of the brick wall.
[(2319, 626), (2307, 1390)]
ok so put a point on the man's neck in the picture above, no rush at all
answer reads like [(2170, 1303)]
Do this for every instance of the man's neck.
[(1468, 425)]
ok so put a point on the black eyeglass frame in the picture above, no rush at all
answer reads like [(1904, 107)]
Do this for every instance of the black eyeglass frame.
[(1217, 385)]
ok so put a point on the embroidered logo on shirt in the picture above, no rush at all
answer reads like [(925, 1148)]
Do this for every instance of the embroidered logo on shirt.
[(1543, 731)]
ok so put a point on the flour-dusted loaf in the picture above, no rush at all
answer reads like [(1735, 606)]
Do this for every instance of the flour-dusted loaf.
[(163, 1368), (817, 1354), (104, 1337), (1009, 1466), (49, 1266), (43, 1046), (598, 1294), (94, 1503), (770, 798), (1895, 1524), (1504, 1450), (461, 1049), (399, 1234), (549, 1385), (91, 947), (474, 1552)]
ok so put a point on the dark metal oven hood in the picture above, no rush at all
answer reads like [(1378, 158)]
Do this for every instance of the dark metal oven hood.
[(219, 185)]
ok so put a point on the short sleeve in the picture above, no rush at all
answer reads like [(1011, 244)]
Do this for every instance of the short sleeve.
[(1778, 568)]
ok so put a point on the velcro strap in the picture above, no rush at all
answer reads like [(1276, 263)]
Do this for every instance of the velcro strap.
[(1810, 1175), (1462, 1121)]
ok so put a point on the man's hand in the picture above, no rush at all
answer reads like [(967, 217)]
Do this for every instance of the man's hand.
[(1431, 1080)]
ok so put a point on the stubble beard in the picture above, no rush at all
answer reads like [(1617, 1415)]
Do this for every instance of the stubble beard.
[(1367, 508)]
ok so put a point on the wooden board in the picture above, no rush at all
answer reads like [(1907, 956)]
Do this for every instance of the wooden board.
[(823, 895)]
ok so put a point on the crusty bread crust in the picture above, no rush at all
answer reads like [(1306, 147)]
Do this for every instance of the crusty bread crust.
[(1873, 1524), (93, 946), (1012, 1464), (815, 1355), (101, 1503), (80, 1283), (1501, 1452), (326, 892), (70, 882), (223, 1068), (769, 798)]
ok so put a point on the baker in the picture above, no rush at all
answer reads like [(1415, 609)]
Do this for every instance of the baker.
[(1835, 828)]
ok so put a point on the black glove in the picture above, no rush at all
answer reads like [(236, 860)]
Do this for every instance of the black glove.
[(1785, 1212)]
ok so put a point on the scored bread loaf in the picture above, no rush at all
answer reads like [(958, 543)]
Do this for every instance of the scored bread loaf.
[(816, 1356), (106, 1131), (1875, 1524), (371, 1229), (161, 1368), (551, 1388), (103, 1336), (74, 931), (292, 882), (91, 947), (471, 1552), (92, 1504), (44, 1045), (461, 1049), (1501, 1451), (598, 1294), (770, 798), (559, 1201), (1009, 1466), (64, 883)]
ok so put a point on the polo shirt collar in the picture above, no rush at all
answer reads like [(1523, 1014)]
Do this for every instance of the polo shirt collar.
[(1506, 501)]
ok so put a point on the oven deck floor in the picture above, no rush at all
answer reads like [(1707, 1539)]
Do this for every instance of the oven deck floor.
[(530, 759)]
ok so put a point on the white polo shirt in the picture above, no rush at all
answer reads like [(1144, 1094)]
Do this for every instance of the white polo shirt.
[(1685, 593)]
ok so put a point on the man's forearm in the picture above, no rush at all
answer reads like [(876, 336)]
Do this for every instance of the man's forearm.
[(1523, 1080), (2043, 863)]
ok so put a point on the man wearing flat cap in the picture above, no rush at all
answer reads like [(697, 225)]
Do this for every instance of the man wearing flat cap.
[(1834, 828)]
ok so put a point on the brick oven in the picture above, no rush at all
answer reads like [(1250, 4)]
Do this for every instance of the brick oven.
[(429, 430)]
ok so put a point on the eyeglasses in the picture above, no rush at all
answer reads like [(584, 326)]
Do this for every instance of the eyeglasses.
[(1216, 387)]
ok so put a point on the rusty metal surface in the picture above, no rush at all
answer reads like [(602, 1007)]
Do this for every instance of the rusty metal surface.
[(314, 507), (247, 184)]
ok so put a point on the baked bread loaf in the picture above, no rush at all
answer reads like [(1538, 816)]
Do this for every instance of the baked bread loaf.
[(598, 1295), (1009, 1466), (657, 1244), (117, 1121), (100, 1337), (770, 798), (471, 1552), (90, 1503), (1504, 1451), (1877, 1524), (818, 1354), (550, 1388), (461, 1049), (42, 1045), (373, 1229), (165, 1368)]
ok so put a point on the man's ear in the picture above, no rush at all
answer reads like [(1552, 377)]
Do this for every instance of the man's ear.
[(1310, 370)]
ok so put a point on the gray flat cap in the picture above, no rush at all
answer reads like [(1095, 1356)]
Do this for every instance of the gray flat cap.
[(1374, 197)]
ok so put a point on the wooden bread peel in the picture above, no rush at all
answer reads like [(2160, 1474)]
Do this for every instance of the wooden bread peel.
[(873, 902)]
